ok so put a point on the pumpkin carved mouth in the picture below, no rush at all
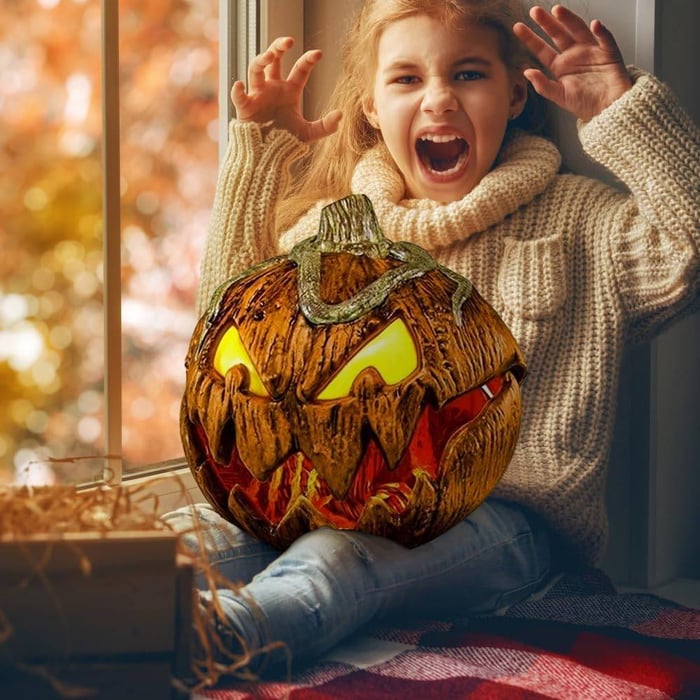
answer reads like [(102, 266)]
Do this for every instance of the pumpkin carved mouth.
[(397, 489)]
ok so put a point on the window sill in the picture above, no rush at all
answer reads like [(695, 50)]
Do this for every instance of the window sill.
[(173, 486)]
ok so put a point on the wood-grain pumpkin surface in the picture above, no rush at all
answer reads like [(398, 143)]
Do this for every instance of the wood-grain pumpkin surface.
[(355, 384)]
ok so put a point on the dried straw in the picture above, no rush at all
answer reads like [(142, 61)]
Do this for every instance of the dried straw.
[(56, 510)]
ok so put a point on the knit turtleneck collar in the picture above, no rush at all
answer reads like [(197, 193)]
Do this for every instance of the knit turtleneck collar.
[(525, 167)]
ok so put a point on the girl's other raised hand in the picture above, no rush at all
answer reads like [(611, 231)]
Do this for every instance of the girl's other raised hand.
[(585, 64), (276, 100)]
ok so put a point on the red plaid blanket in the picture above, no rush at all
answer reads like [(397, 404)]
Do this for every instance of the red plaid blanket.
[(580, 640)]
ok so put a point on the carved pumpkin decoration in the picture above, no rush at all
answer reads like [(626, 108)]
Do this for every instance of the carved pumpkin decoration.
[(356, 384)]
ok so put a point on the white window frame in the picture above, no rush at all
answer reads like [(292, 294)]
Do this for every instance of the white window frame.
[(111, 202), (244, 26)]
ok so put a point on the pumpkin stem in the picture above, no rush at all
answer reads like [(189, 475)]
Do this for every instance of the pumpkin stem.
[(350, 225)]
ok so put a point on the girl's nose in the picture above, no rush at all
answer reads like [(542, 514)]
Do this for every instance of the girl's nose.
[(438, 97)]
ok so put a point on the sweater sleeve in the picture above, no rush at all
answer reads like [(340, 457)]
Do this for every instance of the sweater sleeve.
[(253, 177), (648, 141)]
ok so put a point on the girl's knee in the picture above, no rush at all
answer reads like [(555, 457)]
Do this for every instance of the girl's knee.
[(327, 554), (336, 547), (329, 574)]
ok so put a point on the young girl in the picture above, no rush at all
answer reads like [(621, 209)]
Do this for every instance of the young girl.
[(435, 118)]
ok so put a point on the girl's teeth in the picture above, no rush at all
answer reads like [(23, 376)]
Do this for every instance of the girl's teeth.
[(437, 138)]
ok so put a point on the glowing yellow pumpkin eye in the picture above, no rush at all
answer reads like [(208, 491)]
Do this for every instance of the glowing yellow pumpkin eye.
[(231, 352), (392, 353)]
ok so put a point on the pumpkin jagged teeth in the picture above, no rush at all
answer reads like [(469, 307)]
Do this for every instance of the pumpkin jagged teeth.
[(487, 391), (412, 508), (397, 496), (214, 421), (301, 516), (394, 437)]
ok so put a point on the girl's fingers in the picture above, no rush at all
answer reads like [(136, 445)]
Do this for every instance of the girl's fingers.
[(605, 38), (239, 98), (549, 89), (267, 65), (256, 70), (537, 46), (301, 70), (564, 27), (273, 70), (238, 92), (574, 25), (278, 47), (552, 27), (331, 120), (325, 126)]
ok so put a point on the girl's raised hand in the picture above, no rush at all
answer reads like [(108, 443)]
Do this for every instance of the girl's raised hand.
[(277, 100), (588, 73)]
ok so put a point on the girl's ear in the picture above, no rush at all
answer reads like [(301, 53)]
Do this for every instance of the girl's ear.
[(370, 112), (518, 94)]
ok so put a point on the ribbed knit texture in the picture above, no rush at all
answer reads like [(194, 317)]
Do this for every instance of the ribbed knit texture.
[(575, 268), (253, 176)]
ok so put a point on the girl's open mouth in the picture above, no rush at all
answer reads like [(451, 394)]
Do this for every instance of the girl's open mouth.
[(442, 155)]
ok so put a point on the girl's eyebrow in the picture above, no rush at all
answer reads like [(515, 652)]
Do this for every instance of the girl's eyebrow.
[(401, 64), (473, 60)]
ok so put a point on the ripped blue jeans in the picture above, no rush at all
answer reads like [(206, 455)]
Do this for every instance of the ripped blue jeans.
[(329, 583)]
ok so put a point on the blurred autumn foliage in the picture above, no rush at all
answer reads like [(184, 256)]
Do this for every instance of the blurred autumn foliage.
[(51, 267)]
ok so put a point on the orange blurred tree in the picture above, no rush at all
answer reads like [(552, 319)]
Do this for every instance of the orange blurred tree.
[(51, 296)]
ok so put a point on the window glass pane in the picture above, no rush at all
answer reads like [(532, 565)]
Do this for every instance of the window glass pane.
[(51, 267), (169, 104), (51, 349)]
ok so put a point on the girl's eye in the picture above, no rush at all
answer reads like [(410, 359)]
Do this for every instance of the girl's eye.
[(406, 80), (469, 75)]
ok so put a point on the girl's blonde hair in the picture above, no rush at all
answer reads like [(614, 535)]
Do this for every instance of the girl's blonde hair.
[(328, 171)]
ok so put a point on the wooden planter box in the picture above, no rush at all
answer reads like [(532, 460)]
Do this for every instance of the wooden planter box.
[(110, 613)]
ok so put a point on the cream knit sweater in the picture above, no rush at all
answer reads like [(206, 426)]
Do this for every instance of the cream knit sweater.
[(575, 269)]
